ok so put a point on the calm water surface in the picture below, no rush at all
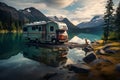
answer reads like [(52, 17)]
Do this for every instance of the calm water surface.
[(20, 61)]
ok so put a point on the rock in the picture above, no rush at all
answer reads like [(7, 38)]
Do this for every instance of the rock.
[(97, 61), (87, 49), (106, 51), (117, 67), (110, 51), (100, 51), (79, 68), (106, 47), (49, 75), (89, 58), (63, 75), (95, 43)]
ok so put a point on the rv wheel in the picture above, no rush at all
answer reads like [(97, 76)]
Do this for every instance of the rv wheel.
[(37, 41), (54, 41)]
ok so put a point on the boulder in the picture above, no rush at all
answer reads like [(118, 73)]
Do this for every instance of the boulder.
[(79, 68), (97, 61), (106, 47), (63, 75), (110, 51), (117, 67), (106, 51), (95, 43), (100, 51), (49, 75), (89, 58), (88, 48)]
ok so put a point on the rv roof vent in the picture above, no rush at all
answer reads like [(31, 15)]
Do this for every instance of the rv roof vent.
[(40, 22)]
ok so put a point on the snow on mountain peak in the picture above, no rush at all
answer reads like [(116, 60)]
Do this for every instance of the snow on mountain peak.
[(94, 22), (28, 10), (98, 17), (55, 18)]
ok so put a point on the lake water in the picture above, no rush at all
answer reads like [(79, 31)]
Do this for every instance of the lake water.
[(20, 61)]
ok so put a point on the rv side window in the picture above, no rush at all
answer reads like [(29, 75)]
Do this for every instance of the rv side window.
[(40, 28), (51, 28), (25, 29), (33, 27), (36, 27)]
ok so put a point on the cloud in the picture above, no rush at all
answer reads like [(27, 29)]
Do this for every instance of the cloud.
[(21, 4), (90, 9), (55, 12), (58, 3), (48, 3), (75, 10), (85, 13)]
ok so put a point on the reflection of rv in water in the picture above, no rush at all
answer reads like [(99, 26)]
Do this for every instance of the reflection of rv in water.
[(55, 32), (54, 57)]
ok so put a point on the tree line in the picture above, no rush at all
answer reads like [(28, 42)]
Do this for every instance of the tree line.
[(112, 22), (10, 24)]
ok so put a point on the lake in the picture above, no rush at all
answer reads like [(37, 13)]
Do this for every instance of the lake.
[(20, 61)]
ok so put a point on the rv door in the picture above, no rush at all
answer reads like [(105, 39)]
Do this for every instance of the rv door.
[(43, 32)]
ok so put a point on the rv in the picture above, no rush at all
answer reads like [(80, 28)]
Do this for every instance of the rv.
[(46, 32)]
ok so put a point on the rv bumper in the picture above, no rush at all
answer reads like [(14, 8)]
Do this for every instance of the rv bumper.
[(63, 40)]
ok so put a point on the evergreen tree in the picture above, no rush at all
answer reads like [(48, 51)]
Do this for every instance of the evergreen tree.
[(117, 21), (108, 18), (1, 27), (13, 26)]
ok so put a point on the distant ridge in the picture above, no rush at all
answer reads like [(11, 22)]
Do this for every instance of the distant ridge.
[(71, 27), (33, 14), (95, 22)]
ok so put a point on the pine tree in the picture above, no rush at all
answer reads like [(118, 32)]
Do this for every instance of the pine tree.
[(13, 26), (117, 21), (108, 18), (1, 27)]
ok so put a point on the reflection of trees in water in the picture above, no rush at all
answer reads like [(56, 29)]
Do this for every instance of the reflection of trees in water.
[(51, 56), (10, 44)]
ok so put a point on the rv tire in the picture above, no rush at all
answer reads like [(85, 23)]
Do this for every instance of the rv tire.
[(37, 41), (54, 41)]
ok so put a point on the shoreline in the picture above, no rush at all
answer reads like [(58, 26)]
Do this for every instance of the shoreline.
[(106, 66), (13, 31)]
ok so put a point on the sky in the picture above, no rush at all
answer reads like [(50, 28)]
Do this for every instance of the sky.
[(76, 11)]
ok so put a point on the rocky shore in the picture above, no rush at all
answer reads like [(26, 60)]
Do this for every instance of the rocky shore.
[(102, 63)]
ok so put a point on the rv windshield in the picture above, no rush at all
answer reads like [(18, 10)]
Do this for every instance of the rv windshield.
[(61, 31)]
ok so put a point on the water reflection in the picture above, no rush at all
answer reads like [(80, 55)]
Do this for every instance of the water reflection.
[(52, 56), (9, 45), (29, 62), (32, 63)]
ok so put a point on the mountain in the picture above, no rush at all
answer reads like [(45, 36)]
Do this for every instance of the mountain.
[(33, 14), (71, 27), (8, 16), (95, 22), (55, 18), (12, 19), (8, 12)]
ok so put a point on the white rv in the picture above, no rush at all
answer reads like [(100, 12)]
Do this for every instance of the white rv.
[(44, 32)]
